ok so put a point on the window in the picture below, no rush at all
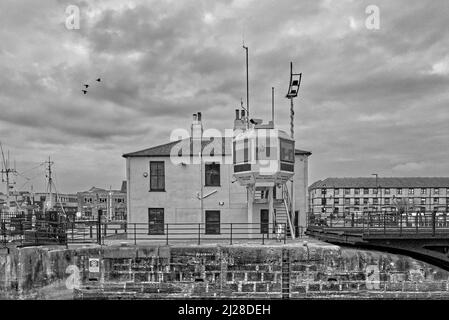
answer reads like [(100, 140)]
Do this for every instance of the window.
[(387, 200), (157, 176), (357, 201), (336, 192), (287, 150), (323, 191), (365, 191), (346, 200), (410, 200), (365, 200), (347, 191), (155, 221), (398, 191), (375, 191), (423, 200), (411, 191), (387, 191), (212, 222), (436, 200), (356, 191), (436, 191), (375, 200), (241, 151), (212, 174), (263, 149), (336, 200), (423, 190)]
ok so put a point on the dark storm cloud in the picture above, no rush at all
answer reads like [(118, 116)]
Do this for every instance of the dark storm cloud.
[(371, 101)]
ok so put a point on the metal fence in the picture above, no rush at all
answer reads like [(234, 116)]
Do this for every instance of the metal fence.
[(384, 222), (199, 232), (22, 232)]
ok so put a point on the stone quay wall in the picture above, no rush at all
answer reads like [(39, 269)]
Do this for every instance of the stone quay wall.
[(315, 270)]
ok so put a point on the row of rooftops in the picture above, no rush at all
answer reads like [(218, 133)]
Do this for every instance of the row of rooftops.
[(164, 150), (382, 182)]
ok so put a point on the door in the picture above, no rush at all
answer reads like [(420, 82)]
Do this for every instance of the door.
[(264, 221), (212, 222), (155, 221)]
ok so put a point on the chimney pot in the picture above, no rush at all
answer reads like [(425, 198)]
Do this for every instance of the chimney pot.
[(237, 114), (194, 117), (243, 114), (199, 116)]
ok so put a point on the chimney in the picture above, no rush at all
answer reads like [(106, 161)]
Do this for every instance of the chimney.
[(237, 114), (196, 129)]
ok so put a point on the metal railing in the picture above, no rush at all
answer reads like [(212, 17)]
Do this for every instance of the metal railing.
[(196, 233), (384, 222), (22, 232)]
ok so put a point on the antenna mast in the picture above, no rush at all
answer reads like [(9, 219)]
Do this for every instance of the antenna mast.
[(247, 82), (272, 105)]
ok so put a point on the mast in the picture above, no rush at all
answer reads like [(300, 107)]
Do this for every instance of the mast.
[(247, 82), (6, 171), (49, 163)]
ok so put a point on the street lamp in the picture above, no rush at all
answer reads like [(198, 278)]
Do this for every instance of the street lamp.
[(377, 193)]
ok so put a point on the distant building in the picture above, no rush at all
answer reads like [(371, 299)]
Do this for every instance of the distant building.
[(346, 195), (111, 202), (23, 200)]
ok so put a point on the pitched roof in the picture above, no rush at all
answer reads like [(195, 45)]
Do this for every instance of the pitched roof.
[(222, 147), (385, 182)]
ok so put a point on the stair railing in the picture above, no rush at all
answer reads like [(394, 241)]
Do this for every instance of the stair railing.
[(287, 203)]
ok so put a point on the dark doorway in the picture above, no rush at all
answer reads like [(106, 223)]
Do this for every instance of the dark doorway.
[(296, 224), (155, 220), (212, 222), (264, 221)]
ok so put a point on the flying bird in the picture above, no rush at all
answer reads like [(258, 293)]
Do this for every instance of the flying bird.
[(99, 79), (86, 85), (84, 91)]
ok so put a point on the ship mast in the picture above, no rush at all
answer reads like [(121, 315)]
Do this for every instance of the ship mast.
[(6, 172), (49, 163)]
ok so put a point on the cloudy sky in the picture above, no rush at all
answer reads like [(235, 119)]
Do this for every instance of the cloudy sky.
[(372, 101)]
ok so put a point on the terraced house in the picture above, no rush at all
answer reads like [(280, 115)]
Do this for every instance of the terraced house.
[(347, 195)]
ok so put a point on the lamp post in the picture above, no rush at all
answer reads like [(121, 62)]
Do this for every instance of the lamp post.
[(377, 188)]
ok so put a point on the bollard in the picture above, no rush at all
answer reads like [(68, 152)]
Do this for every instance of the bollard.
[(135, 239), (199, 233)]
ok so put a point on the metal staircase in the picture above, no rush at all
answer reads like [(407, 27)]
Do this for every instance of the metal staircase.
[(282, 210)]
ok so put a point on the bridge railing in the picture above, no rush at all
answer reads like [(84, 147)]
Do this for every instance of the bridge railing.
[(383, 222)]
